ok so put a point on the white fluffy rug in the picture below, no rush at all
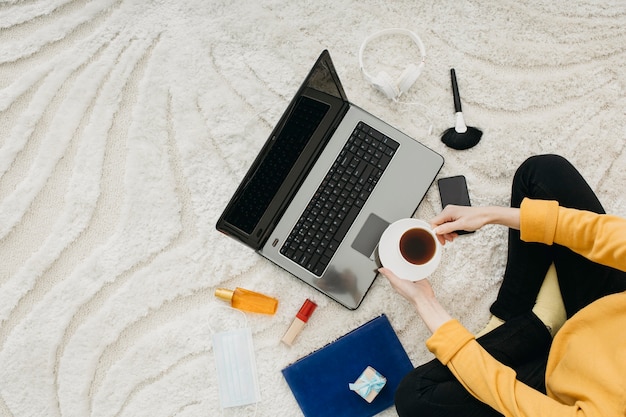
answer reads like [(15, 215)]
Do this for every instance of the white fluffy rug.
[(126, 126)]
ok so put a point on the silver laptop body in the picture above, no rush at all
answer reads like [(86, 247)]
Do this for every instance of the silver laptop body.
[(343, 269)]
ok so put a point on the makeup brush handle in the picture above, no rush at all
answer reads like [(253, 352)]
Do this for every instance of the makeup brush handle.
[(455, 91)]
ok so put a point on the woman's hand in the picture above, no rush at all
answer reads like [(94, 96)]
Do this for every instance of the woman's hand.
[(454, 218), (413, 291), (421, 295)]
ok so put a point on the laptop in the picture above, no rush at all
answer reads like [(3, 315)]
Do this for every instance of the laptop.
[(325, 185)]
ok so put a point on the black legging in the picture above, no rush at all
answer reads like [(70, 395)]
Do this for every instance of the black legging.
[(522, 342)]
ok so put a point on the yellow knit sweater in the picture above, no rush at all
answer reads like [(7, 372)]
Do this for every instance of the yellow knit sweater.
[(586, 371)]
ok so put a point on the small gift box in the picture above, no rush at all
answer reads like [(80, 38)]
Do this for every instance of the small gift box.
[(369, 384)]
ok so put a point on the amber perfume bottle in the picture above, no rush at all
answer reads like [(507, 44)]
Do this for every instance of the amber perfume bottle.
[(247, 300)]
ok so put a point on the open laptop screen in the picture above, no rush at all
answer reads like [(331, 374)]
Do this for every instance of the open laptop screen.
[(275, 167), (287, 156)]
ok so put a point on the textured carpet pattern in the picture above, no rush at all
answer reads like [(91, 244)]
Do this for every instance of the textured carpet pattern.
[(126, 125)]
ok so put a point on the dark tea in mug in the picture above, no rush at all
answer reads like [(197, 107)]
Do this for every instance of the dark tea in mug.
[(417, 246)]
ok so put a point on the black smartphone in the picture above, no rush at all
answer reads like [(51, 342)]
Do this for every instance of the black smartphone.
[(453, 190)]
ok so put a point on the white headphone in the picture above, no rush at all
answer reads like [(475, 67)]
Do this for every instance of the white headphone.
[(383, 82)]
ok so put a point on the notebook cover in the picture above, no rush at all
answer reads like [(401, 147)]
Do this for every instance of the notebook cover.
[(319, 381)]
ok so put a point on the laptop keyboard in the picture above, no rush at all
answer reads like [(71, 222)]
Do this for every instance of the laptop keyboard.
[(339, 199)]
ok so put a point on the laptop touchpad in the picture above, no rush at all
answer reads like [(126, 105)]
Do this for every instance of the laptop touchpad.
[(369, 235)]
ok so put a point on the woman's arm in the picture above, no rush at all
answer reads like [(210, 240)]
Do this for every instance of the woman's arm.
[(598, 237), (489, 380), (483, 376)]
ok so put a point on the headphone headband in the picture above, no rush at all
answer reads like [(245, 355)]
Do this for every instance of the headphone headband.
[(392, 31)]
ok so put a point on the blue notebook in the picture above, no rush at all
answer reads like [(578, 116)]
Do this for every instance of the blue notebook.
[(319, 381)]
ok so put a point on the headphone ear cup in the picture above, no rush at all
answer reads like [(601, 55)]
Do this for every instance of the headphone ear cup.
[(384, 83), (408, 77)]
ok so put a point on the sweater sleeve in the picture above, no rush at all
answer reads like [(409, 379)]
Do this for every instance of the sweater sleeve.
[(598, 237), (489, 380)]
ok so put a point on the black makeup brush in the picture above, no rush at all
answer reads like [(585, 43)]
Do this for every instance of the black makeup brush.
[(460, 136)]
